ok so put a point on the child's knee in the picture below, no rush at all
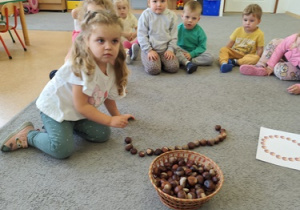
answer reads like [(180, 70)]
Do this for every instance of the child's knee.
[(224, 49), (61, 151), (171, 66), (153, 71), (102, 135)]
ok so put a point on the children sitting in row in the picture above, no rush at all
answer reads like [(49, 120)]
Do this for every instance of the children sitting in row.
[(165, 45)]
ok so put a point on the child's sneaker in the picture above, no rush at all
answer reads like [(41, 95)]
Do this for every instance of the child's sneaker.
[(128, 58), (233, 62), (191, 68), (17, 139), (225, 67), (52, 74), (135, 48), (253, 70)]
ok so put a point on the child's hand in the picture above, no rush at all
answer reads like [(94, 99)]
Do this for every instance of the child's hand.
[(294, 89), (133, 35), (120, 121), (127, 36), (187, 55), (169, 55), (152, 55), (269, 70), (130, 37)]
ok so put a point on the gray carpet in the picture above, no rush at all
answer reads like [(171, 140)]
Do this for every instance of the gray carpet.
[(170, 109)]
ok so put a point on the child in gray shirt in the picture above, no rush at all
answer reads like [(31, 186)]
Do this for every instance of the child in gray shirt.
[(157, 36)]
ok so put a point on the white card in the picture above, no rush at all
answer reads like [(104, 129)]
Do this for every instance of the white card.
[(279, 147)]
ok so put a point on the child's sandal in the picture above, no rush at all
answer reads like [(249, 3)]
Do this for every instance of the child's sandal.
[(17, 139)]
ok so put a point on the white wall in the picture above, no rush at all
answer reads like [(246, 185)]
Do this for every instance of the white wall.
[(293, 6)]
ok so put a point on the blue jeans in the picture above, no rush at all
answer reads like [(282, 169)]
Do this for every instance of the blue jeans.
[(58, 140)]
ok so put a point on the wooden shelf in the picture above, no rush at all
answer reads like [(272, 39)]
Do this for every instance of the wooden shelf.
[(53, 5)]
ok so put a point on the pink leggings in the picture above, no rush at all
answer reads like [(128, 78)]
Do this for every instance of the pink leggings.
[(284, 70), (128, 44)]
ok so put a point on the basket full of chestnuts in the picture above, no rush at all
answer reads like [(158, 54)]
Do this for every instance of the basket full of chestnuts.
[(185, 179)]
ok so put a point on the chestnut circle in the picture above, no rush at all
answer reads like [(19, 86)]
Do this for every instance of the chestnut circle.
[(271, 137)]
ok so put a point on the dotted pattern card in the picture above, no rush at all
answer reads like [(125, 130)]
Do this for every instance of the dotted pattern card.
[(279, 147)]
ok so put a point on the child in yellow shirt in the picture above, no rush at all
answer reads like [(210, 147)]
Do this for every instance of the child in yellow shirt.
[(246, 43)]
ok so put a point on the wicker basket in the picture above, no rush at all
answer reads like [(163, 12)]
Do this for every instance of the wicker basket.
[(178, 203)]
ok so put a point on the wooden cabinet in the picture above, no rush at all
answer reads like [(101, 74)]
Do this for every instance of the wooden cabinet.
[(53, 5)]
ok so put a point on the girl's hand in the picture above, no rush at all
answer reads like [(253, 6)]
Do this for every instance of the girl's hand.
[(294, 89), (269, 70), (127, 36), (120, 121), (130, 37), (169, 55), (133, 35), (152, 55)]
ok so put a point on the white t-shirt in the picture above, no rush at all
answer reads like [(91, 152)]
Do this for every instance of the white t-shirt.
[(56, 99), (130, 24)]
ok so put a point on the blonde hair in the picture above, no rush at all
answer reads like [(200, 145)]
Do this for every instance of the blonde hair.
[(193, 6), (105, 4), (82, 58), (253, 9), (122, 1)]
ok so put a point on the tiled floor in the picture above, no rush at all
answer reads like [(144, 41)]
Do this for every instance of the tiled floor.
[(23, 77)]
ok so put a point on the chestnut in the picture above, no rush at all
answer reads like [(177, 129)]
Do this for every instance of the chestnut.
[(181, 194), (206, 175), (185, 147), (203, 142), (210, 142), (149, 152), (218, 127), (158, 152), (133, 151), (192, 180), (165, 149), (197, 143), (127, 140), (200, 179), (128, 147), (191, 145), (178, 147), (178, 188), (215, 179), (142, 154), (217, 140), (222, 130), (209, 185)]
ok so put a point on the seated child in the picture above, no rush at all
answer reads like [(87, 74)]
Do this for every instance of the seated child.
[(129, 40), (246, 42), (78, 15), (157, 36), (192, 39), (281, 57)]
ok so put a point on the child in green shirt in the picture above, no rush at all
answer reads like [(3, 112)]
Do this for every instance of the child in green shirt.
[(192, 39)]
